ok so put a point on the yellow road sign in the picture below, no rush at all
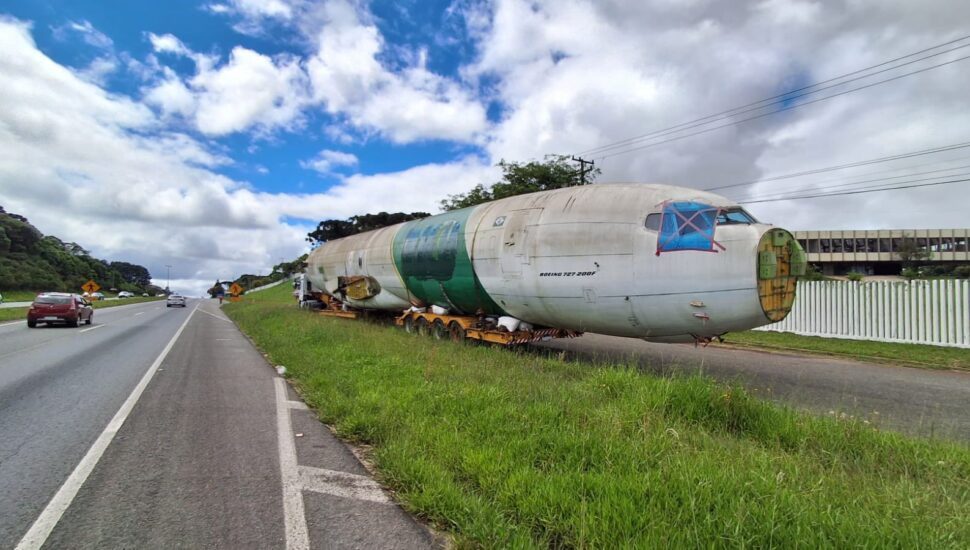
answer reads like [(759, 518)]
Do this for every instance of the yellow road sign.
[(235, 289), (90, 287)]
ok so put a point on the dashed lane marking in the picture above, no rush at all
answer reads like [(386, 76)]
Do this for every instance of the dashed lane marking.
[(91, 328), (44, 524), (137, 314)]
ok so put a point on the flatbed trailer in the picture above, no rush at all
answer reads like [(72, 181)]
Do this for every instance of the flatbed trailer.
[(459, 328)]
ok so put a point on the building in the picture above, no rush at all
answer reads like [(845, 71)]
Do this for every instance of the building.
[(873, 252)]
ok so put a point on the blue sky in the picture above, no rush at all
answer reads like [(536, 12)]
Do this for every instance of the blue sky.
[(213, 134), (270, 163)]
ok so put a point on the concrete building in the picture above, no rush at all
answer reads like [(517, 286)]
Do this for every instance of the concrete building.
[(873, 252)]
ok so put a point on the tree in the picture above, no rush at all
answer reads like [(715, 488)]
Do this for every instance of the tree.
[(132, 273), (911, 254), (554, 172), (328, 230)]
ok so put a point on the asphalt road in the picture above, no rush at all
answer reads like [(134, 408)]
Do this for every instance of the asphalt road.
[(217, 452), (930, 403)]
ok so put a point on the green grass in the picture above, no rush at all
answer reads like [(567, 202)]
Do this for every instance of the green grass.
[(505, 449), (18, 295), (18, 313), (916, 355)]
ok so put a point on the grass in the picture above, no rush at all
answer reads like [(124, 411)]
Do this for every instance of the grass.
[(503, 449), (20, 313), (917, 355), (18, 295)]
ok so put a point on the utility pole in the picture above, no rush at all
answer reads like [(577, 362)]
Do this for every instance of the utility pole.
[(168, 278), (582, 168)]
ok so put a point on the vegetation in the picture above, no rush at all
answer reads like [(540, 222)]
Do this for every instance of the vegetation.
[(855, 276), (334, 229), (280, 271), (33, 262), (555, 172), (917, 355), (519, 450)]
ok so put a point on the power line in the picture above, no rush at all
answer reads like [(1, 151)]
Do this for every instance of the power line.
[(783, 109), (854, 192), (941, 149), (851, 184), (781, 97)]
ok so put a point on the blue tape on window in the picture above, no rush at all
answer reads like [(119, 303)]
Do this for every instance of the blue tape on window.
[(687, 225)]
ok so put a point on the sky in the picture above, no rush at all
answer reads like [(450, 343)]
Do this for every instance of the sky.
[(211, 136)]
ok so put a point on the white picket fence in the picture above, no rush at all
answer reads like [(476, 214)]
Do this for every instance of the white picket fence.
[(915, 312)]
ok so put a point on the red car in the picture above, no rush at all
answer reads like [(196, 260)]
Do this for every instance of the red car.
[(59, 307)]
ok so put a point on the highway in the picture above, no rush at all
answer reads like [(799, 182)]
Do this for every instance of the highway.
[(158, 427)]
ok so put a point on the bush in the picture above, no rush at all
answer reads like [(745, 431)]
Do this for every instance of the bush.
[(854, 276)]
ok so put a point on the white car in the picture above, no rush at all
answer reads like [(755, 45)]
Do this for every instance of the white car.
[(126, 294), (175, 300)]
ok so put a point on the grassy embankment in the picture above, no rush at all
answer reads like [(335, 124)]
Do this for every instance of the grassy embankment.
[(915, 355), (20, 313), (516, 450)]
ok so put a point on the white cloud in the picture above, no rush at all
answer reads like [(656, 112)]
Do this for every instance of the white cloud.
[(573, 75), (90, 35), (99, 69), (327, 160), (168, 43), (409, 106), (252, 89)]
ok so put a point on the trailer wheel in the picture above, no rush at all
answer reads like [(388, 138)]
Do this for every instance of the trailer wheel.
[(456, 332), (409, 326), (423, 328), (438, 330)]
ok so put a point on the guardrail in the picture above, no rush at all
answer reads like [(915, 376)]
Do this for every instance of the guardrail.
[(933, 312)]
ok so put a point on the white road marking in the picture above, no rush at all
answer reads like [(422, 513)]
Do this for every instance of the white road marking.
[(137, 314), (52, 513), (91, 328), (216, 316), (342, 484), (299, 405), (294, 519), (11, 323)]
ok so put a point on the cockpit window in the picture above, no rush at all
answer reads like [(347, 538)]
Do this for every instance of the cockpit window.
[(733, 216), (653, 222)]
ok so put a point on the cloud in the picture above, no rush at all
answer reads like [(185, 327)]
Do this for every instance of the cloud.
[(327, 160), (251, 90), (168, 43), (411, 105), (90, 35), (574, 75), (101, 170)]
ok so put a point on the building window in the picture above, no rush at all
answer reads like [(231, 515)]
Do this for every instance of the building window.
[(848, 245), (860, 245), (812, 246), (884, 245), (922, 243), (826, 245), (872, 245), (960, 244), (836, 245), (897, 242)]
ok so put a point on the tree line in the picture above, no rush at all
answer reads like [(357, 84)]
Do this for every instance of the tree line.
[(30, 260)]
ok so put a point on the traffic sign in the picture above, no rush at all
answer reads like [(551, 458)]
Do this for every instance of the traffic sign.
[(235, 289), (90, 287)]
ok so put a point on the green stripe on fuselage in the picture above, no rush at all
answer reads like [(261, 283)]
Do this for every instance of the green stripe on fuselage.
[(431, 256)]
